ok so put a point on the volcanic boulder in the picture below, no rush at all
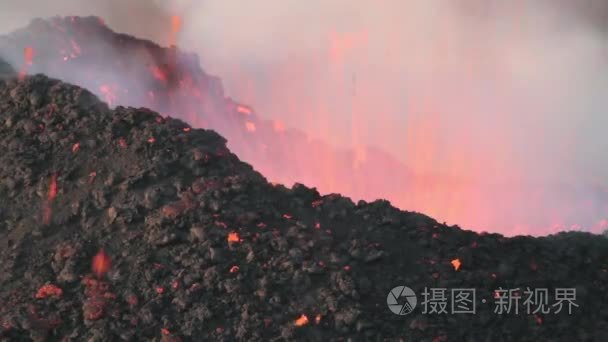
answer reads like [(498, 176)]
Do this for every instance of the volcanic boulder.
[(189, 243)]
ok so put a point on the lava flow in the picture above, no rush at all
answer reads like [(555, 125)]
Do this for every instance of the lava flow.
[(28, 59)]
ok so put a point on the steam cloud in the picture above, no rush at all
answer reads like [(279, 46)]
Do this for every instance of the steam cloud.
[(498, 107)]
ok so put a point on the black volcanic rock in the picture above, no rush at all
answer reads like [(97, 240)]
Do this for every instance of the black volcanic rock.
[(202, 247)]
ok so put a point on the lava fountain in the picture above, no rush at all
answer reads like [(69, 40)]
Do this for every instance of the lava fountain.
[(488, 124)]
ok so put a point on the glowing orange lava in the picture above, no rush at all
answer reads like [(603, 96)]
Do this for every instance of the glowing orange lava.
[(101, 264), (243, 110), (28, 60), (176, 23), (176, 27), (301, 321), (233, 237), (456, 263), (159, 74)]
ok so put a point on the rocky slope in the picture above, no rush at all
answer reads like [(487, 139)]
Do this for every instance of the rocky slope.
[(128, 71), (126, 225)]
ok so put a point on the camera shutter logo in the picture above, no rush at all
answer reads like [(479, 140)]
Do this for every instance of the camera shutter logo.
[(401, 300)]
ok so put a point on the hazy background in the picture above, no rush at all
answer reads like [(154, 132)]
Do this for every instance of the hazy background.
[(483, 92)]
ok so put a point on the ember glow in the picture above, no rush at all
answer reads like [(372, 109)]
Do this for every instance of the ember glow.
[(28, 60), (176, 26), (52, 188), (243, 110), (301, 321), (159, 74), (101, 264), (48, 204), (49, 290), (233, 237)]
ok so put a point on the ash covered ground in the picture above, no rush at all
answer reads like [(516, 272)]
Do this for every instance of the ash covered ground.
[(123, 224)]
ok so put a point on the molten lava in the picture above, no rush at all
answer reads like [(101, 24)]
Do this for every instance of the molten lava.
[(101, 264), (456, 263), (159, 74), (28, 56), (243, 110), (28, 60), (233, 237), (301, 321), (176, 26)]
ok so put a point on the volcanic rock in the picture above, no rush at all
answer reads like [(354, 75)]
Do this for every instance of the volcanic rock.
[(207, 249)]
